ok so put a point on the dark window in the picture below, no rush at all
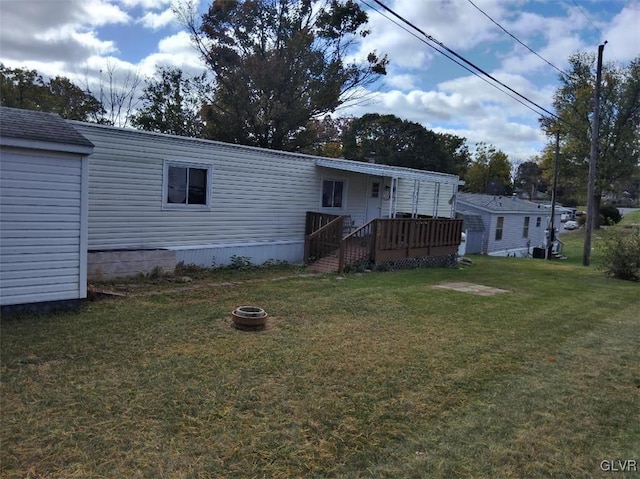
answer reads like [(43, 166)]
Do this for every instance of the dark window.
[(538, 222), (187, 186), (525, 229), (332, 192), (375, 190), (499, 227)]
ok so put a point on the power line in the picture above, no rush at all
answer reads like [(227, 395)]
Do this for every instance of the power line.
[(460, 57), (452, 58), (517, 39), (584, 13)]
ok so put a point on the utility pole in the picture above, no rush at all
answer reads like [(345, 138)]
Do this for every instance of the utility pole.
[(552, 228), (595, 130)]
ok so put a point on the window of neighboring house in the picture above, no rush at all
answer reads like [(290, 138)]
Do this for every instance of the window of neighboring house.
[(332, 193), (375, 190), (525, 228), (187, 185), (499, 228), (538, 222)]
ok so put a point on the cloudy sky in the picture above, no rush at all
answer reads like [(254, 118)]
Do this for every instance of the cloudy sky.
[(82, 38)]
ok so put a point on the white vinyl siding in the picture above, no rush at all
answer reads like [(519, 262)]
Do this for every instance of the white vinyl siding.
[(433, 198), (256, 195), (512, 240), (512, 234), (42, 226)]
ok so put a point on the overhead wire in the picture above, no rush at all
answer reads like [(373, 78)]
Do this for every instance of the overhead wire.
[(450, 57), (588, 19), (460, 57), (518, 40)]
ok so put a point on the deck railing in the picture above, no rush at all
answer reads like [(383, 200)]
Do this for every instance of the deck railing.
[(416, 237), (384, 240), (324, 235), (315, 221), (380, 240)]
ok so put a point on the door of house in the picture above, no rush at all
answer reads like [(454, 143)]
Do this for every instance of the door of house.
[(374, 198)]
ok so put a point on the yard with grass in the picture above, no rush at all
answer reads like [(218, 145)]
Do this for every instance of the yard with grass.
[(373, 375)]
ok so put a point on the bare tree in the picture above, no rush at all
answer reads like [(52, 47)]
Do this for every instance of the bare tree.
[(119, 94)]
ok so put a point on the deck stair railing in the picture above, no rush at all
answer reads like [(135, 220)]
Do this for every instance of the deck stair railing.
[(357, 247), (323, 235)]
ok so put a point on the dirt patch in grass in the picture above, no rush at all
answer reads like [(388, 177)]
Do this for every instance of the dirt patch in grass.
[(477, 289)]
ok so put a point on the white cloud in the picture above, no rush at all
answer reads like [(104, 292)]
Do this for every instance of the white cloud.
[(156, 21), (401, 81), (98, 13), (623, 34), (146, 4), (55, 31), (474, 87), (453, 22), (174, 51)]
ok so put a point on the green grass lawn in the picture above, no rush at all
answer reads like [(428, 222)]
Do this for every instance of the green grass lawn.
[(375, 375)]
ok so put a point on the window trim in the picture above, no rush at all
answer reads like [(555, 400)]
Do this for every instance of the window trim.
[(345, 186), (186, 164), (525, 226), (499, 228)]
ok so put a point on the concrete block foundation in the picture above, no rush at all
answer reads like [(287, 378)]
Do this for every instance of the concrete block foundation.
[(108, 265)]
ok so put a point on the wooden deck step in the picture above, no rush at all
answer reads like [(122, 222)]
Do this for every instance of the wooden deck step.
[(328, 264)]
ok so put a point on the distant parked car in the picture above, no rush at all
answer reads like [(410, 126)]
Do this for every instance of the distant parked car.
[(571, 225)]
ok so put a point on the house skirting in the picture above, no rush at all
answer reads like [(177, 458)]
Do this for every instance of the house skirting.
[(257, 253), (519, 252), (121, 263), (108, 265), (440, 261), (42, 307)]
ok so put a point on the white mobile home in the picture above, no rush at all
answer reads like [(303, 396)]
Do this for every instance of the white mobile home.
[(44, 175), (511, 226), (156, 200)]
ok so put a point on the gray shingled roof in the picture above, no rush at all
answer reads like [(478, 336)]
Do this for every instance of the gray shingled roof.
[(39, 126), (498, 204)]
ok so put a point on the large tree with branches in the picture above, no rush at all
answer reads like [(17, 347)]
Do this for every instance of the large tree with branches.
[(277, 64), (619, 133), (394, 141), (27, 89)]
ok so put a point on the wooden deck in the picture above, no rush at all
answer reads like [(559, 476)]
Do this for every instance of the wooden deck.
[(379, 241)]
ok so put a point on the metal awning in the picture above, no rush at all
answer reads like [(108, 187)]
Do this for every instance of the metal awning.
[(374, 169)]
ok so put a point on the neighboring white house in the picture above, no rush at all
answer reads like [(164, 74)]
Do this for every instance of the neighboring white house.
[(44, 175), (511, 226), (155, 199)]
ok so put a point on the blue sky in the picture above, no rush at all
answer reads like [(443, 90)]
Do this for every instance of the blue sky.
[(82, 38)]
